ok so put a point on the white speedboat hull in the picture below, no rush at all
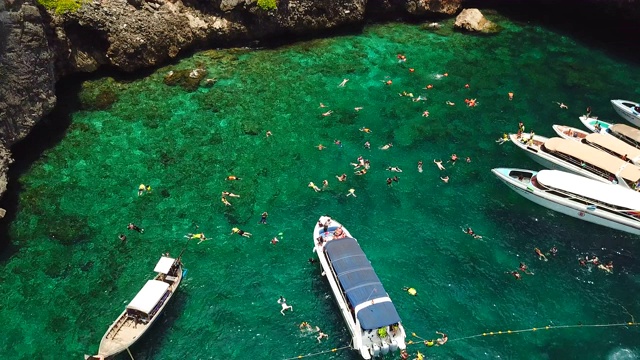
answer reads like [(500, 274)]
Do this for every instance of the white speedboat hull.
[(561, 205), (568, 132), (590, 123), (363, 341), (626, 110), (551, 162)]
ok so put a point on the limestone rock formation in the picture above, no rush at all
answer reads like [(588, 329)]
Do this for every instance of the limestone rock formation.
[(26, 76), (473, 20)]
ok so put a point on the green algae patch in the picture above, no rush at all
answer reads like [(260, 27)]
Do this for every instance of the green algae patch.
[(61, 6), (99, 94)]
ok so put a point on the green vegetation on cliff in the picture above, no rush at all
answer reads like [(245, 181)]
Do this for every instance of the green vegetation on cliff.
[(61, 6), (267, 4)]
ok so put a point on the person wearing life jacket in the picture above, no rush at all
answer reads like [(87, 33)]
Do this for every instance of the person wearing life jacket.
[(233, 177), (382, 332)]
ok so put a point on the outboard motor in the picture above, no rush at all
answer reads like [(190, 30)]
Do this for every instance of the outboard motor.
[(376, 350), (394, 346), (385, 348)]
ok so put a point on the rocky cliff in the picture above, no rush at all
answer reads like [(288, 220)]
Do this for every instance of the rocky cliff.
[(38, 47)]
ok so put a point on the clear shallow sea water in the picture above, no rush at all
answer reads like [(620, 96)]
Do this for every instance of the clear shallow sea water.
[(70, 276)]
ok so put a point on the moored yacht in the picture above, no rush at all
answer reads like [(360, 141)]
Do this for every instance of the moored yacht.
[(143, 310), (626, 133), (579, 197), (568, 132), (578, 158), (372, 320), (628, 110), (613, 146), (595, 125)]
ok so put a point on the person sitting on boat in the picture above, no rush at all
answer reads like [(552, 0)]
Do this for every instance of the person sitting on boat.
[(597, 127), (342, 177), (235, 230), (339, 233), (394, 329), (430, 343)]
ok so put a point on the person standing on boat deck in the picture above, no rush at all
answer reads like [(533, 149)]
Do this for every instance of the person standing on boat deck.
[(235, 230), (321, 334), (325, 184), (367, 145), (352, 192), (282, 301), (453, 159)]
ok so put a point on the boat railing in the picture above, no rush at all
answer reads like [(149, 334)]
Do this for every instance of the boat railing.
[(335, 276), (116, 328), (599, 204), (582, 164)]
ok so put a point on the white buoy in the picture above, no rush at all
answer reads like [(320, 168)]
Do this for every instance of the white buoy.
[(385, 348), (376, 350), (394, 346)]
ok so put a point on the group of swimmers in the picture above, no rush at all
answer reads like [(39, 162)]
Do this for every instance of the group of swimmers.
[(608, 266)]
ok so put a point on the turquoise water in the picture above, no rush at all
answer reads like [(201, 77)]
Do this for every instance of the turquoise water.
[(71, 276)]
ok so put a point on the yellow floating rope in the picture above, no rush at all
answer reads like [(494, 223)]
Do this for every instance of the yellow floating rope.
[(548, 327), (318, 353)]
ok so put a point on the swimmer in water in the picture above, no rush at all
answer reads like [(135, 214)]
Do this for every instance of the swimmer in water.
[(343, 83), (358, 108), (314, 187), (386, 147), (367, 145), (541, 256), (420, 166), (342, 177), (503, 139), (394, 169), (450, 103), (132, 226), (425, 113), (439, 163), (320, 147), (525, 269), (445, 179), (366, 130), (225, 201), (562, 105), (327, 113)]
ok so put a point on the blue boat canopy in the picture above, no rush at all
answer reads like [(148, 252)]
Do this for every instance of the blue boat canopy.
[(360, 283)]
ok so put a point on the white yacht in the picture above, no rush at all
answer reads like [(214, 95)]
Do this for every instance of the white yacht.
[(568, 132), (579, 197), (143, 310), (367, 310), (578, 158), (626, 133), (613, 146), (594, 124), (628, 110)]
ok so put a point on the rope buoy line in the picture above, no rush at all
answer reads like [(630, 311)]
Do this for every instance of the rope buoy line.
[(547, 327), (490, 333), (318, 353)]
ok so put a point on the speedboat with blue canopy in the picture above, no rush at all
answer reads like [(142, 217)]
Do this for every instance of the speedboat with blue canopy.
[(369, 313)]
